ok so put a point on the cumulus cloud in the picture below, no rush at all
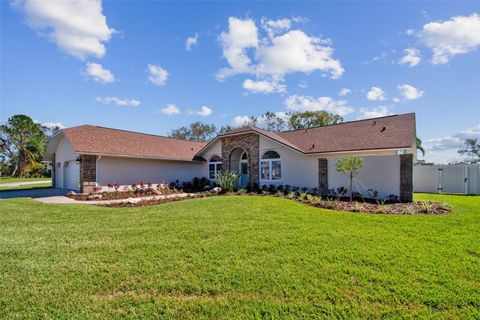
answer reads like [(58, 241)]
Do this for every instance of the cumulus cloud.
[(459, 35), (380, 111), (78, 28), (376, 94), (305, 103), (99, 73), (53, 125), (263, 86), (412, 57), (344, 91), (170, 109), (118, 101), (445, 149), (274, 27), (204, 111), (410, 92), (157, 75), (283, 51), (240, 121), (190, 42)]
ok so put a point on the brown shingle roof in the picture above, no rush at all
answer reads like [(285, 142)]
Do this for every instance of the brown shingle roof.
[(100, 140), (391, 132)]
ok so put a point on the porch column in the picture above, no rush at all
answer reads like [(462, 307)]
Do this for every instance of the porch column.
[(406, 177), (323, 176), (88, 173)]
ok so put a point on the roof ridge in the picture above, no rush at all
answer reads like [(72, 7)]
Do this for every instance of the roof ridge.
[(351, 121), (136, 132)]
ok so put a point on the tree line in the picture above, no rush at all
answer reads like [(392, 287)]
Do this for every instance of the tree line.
[(23, 141)]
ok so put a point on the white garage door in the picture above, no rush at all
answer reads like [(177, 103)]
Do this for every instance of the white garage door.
[(71, 175)]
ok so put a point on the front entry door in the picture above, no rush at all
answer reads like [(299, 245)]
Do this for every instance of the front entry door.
[(243, 174)]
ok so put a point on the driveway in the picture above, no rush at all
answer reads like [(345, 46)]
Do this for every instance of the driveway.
[(33, 193)]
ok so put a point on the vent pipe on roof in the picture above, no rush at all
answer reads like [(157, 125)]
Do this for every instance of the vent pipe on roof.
[(383, 129), (374, 123)]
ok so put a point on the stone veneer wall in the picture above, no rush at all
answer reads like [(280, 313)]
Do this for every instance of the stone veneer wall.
[(250, 143), (323, 176), (88, 173), (54, 169), (406, 177)]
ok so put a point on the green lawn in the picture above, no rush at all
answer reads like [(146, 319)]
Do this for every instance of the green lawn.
[(27, 186), (15, 180), (237, 257)]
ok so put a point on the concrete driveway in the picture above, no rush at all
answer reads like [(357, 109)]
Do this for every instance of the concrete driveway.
[(33, 193)]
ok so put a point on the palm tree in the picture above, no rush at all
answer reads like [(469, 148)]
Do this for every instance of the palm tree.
[(419, 146)]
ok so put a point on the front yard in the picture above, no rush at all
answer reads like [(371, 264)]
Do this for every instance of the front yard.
[(237, 257)]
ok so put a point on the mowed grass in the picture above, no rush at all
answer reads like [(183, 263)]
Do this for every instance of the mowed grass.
[(28, 186), (237, 257), (15, 180)]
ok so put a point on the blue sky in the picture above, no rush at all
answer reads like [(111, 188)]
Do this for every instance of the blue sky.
[(126, 65)]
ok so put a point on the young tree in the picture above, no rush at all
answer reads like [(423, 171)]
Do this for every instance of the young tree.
[(351, 167), (309, 119), (420, 148), (471, 148), (196, 131), (22, 143)]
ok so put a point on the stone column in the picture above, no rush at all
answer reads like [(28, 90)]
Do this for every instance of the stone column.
[(250, 144), (88, 173), (323, 176), (406, 177), (54, 167)]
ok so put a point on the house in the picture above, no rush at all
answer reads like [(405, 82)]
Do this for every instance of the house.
[(89, 156)]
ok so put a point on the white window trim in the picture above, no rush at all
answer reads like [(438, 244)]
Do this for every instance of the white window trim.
[(215, 163), (269, 161)]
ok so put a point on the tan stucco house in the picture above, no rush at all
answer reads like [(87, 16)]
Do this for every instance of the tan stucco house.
[(87, 156)]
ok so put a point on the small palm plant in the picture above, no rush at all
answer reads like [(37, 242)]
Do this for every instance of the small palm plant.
[(227, 180)]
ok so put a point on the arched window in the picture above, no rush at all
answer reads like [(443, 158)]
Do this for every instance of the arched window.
[(244, 156), (214, 167), (270, 166)]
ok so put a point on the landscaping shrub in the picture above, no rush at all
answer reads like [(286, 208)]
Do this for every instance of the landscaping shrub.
[(227, 180)]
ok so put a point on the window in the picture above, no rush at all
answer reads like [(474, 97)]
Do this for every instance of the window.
[(214, 167), (270, 166)]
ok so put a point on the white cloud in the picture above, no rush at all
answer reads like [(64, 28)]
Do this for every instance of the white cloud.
[(376, 94), (344, 91), (53, 125), (376, 112), (190, 42), (99, 73), (241, 35), (118, 101), (305, 103), (79, 28), (445, 149), (240, 121), (276, 55), (170, 109), (412, 57), (459, 35), (264, 86), (204, 111), (157, 75), (410, 92), (274, 27)]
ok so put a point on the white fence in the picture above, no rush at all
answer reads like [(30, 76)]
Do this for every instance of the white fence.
[(464, 179)]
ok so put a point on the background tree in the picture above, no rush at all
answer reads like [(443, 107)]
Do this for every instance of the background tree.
[(22, 143), (351, 167), (273, 122), (419, 146), (471, 148), (309, 119), (196, 131)]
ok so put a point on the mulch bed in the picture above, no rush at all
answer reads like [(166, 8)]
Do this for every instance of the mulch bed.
[(417, 207), (119, 195), (153, 202)]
